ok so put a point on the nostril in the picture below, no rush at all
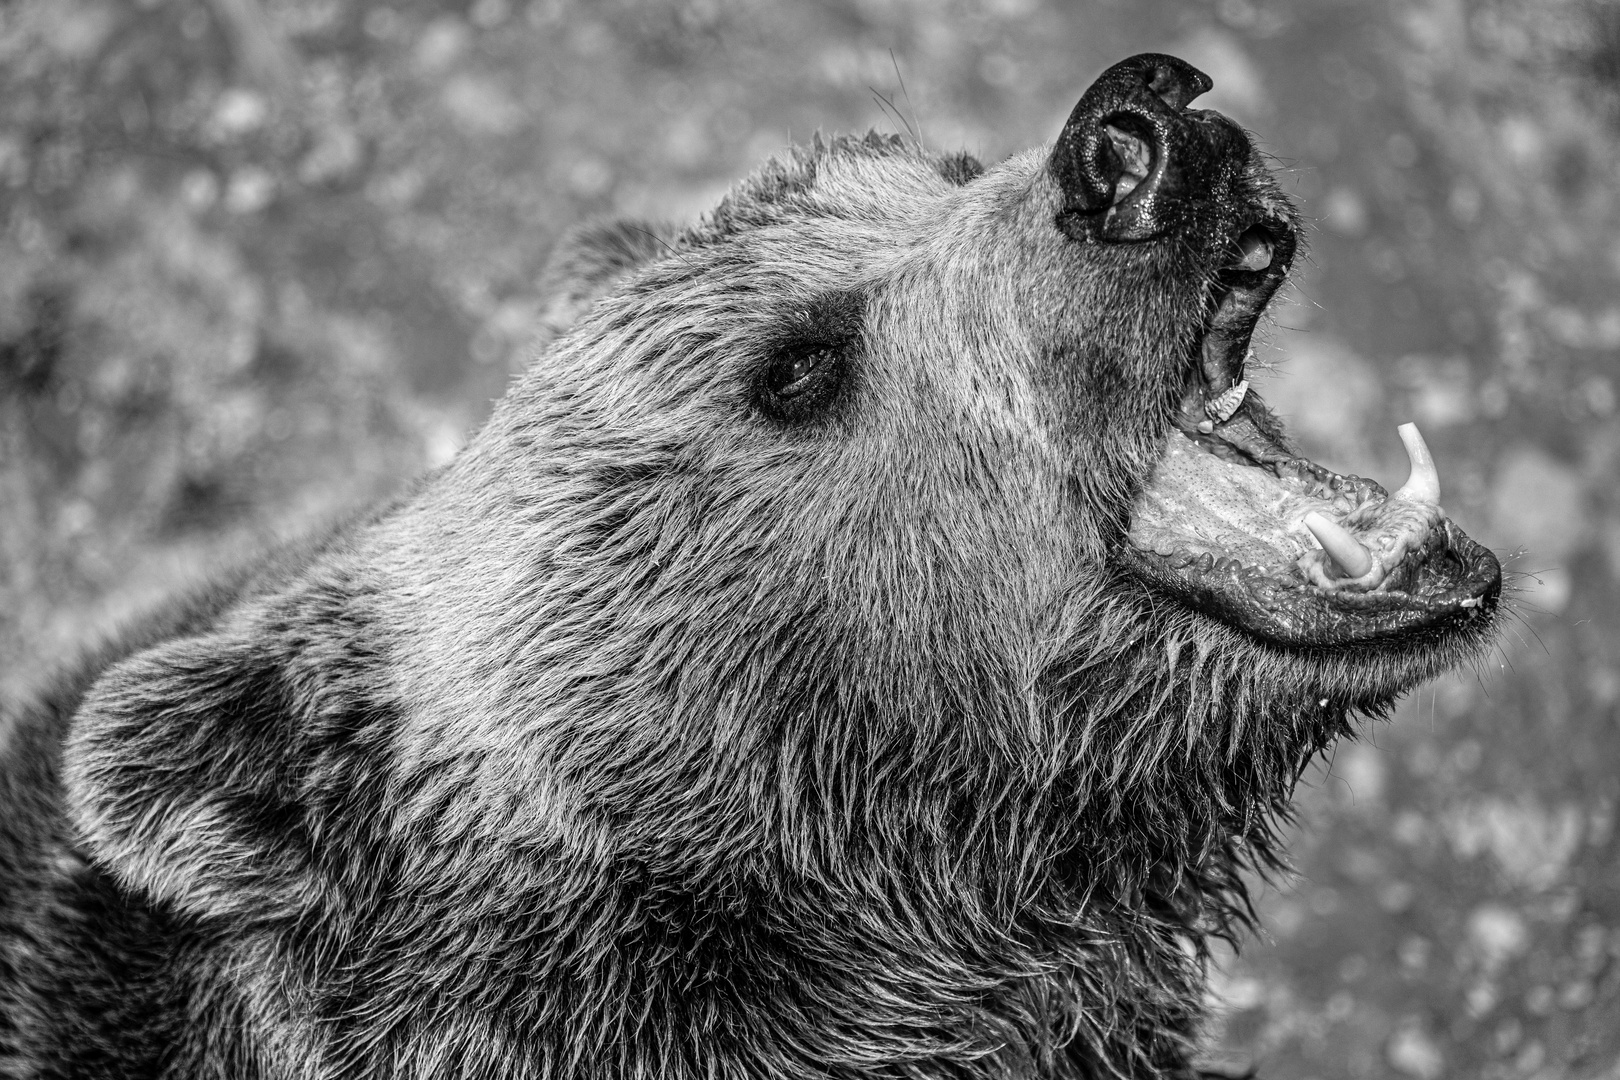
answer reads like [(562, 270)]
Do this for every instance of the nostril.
[(1134, 155)]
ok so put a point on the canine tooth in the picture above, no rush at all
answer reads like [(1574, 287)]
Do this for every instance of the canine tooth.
[(1254, 250), (1342, 548), (1221, 408), (1423, 485)]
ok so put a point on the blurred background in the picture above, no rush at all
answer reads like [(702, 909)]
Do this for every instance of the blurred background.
[(263, 260)]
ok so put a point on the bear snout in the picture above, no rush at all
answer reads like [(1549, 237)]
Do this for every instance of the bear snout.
[(1135, 163)]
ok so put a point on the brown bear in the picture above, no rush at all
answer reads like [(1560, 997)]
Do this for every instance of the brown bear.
[(873, 641)]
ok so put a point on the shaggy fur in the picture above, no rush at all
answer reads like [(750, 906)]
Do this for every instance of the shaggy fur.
[(673, 730)]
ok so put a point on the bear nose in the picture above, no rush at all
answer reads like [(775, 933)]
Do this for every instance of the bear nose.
[(1133, 160)]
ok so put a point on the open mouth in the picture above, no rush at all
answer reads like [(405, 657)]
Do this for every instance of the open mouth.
[(1237, 525)]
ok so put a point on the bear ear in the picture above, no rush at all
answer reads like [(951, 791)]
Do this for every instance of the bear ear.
[(180, 777), (590, 260)]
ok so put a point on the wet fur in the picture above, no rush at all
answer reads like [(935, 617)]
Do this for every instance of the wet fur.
[(657, 737)]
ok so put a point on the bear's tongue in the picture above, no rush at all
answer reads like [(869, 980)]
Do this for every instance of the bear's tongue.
[(1287, 517)]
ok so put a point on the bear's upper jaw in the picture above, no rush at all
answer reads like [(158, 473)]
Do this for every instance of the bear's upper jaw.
[(1235, 525), (1257, 262)]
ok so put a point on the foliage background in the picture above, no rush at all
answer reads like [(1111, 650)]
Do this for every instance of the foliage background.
[(263, 260)]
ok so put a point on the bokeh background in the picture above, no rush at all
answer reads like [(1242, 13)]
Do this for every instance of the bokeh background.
[(263, 260)]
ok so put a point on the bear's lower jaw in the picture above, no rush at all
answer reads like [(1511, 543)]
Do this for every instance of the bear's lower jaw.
[(1230, 523)]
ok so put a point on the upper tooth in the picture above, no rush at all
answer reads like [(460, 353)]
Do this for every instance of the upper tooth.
[(1254, 251), (1423, 485), (1221, 408)]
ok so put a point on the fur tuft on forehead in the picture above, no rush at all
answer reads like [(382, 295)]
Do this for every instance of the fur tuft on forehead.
[(787, 183)]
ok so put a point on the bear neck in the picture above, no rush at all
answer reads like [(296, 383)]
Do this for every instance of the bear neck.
[(688, 883)]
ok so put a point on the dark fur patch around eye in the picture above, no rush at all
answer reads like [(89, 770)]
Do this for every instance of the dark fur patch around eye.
[(807, 361), (959, 168)]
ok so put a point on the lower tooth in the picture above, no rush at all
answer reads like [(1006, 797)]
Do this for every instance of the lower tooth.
[(1346, 552)]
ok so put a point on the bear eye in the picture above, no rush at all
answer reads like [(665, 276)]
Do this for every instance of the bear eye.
[(800, 380), (794, 374), (809, 357)]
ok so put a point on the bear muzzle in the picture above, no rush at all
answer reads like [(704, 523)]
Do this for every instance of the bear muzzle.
[(1232, 521)]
